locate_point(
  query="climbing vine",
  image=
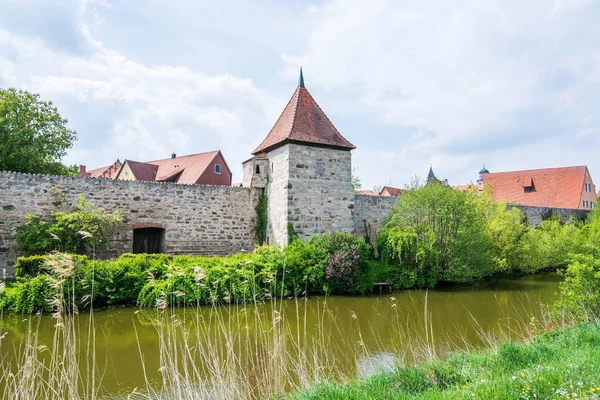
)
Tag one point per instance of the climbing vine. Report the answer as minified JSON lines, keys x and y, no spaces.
{"x":261,"y":210}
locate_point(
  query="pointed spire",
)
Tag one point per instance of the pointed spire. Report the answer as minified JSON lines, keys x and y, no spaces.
{"x":430,"y":175}
{"x":301,"y":80}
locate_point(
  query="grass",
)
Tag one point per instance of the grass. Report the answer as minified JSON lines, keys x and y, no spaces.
{"x":560,"y":364}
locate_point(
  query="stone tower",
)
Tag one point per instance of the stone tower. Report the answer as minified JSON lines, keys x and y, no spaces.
{"x":306,"y":166}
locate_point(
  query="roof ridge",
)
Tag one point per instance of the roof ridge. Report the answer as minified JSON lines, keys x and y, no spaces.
{"x":327,"y":117}
{"x":536,"y":169}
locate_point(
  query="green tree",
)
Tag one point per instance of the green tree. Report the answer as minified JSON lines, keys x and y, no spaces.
{"x":436,"y":233}
{"x":33,"y":135}
{"x":356,"y":182}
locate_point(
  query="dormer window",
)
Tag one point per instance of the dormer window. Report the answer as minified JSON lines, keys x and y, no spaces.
{"x":527,"y":189}
{"x":528,"y":185}
{"x":218,"y":169}
{"x":257,"y":170}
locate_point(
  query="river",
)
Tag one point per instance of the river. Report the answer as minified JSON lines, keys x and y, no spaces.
{"x":287,"y":341}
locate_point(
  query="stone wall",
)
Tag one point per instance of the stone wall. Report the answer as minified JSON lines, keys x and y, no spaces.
{"x":277,"y":191}
{"x":198,"y":219}
{"x":369,"y":214}
{"x":535,"y":215}
{"x":320,"y":195}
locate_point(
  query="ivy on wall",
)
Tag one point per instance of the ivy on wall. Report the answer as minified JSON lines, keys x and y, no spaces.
{"x":261,"y":210}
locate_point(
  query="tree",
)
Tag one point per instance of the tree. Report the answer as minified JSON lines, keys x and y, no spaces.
{"x":33,"y":135}
{"x":436,"y":233}
{"x":356,"y":180}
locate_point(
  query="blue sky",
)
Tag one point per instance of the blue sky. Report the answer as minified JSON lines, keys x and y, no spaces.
{"x":509,"y":84}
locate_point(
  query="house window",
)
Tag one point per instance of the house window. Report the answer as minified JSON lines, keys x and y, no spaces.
{"x":588,"y":188}
{"x":593,"y":204}
{"x":527,"y":189}
{"x":217,"y":168}
{"x":585,"y":203}
{"x":258,"y":169}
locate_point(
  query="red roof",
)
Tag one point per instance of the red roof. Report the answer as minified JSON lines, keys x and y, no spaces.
{"x":142,"y":171}
{"x":190,"y":167}
{"x":107,"y":172}
{"x":550,"y":187}
{"x":367,"y":192}
{"x":391,"y":191}
{"x":464,"y":188}
{"x":303,"y":121}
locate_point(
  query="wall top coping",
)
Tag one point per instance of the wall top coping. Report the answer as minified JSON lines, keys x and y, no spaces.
{"x":25,"y":175}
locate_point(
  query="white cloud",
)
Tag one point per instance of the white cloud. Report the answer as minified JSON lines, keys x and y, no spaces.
{"x":510,"y":84}
{"x":485,"y":77}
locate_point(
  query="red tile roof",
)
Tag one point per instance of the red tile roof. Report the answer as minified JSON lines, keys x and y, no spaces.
{"x":468,"y":187}
{"x":391,"y":191}
{"x":303,"y":121}
{"x":190,"y":167}
{"x":107,"y":172}
{"x":368,"y":192}
{"x":142,"y":171}
{"x":550,"y":187}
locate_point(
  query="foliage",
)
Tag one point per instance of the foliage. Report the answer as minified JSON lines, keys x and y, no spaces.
{"x":356,"y":182}
{"x":580,"y":291}
{"x":27,"y":267}
{"x":262,"y":217}
{"x":435,"y":233}
{"x":69,"y":231}
{"x":29,"y":295}
{"x":343,"y":258}
{"x":291,"y":232}
{"x":556,"y":364}
{"x":33,"y":135}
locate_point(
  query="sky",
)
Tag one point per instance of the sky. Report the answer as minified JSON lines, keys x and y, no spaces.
{"x":509,"y":84}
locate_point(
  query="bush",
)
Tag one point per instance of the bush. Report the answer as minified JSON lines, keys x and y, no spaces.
{"x":30,"y":295}
{"x":344,"y":259}
{"x":27,"y":267}
{"x":69,"y":231}
{"x":580,"y":291}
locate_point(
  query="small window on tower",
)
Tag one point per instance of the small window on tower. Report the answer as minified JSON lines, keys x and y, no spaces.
{"x":258,"y":169}
{"x":217,"y":168}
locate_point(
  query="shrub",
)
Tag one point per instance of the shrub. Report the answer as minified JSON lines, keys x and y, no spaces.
{"x":30,"y":295}
{"x":580,"y":291}
{"x":27,"y":267}
{"x":343,"y":258}
{"x":69,"y":231}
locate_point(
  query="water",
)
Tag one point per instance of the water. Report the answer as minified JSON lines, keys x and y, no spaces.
{"x":337,"y":336}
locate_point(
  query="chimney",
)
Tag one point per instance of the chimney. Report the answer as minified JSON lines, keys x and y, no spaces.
{"x":82,"y":170}
{"x":173,"y":155}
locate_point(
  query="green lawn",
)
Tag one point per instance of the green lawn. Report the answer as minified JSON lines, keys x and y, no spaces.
{"x":561,"y":364}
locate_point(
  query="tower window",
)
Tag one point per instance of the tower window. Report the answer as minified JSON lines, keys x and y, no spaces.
{"x":258,"y":169}
{"x":217,"y":168}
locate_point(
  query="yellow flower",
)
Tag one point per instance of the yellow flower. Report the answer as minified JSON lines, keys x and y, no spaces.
{"x":522,"y":374}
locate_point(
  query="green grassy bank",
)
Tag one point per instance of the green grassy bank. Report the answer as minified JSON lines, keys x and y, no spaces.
{"x":559,"y":364}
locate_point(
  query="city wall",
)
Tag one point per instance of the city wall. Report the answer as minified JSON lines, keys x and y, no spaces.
{"x":197,"y":219}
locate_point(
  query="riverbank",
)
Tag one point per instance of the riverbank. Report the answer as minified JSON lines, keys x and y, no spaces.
{"x":558,"y":364}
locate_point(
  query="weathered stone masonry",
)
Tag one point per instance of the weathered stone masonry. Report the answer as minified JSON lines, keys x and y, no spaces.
{"x":197,"y":219}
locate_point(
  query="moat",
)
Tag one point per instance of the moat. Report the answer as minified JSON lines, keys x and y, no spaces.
{"x":338,"y":336}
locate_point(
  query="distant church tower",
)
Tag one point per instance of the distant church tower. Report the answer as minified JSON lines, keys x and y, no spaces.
{"x":306,"y":166}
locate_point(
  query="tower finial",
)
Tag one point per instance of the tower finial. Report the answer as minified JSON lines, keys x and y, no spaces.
{"x":301,"y":80}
